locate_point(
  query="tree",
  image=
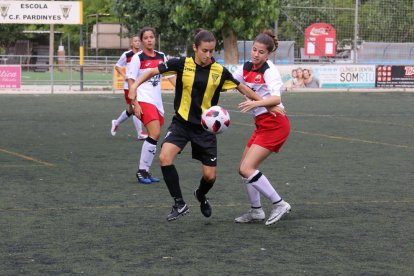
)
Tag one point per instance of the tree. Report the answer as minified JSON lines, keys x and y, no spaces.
{"x":228,"y":20}
{"x":385,"y":21}
{"x":9,"y":34}
{"x":157,"y":14}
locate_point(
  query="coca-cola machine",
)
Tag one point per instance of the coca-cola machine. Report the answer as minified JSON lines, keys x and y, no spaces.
{"x":320,"y":40}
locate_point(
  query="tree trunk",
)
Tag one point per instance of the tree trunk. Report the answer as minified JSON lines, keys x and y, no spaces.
{"x":231,"y":53}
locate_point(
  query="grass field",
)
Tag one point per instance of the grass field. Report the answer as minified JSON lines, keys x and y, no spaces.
{"x":68,"y":77}
{"x":70,"y":203}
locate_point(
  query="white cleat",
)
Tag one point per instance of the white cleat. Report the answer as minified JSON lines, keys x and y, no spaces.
{"x":251,"y":215}
{"x":114,"y":127}
{"x":279,"y":210}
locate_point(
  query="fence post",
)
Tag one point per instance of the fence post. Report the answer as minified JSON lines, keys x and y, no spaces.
{"x":71,"y":78}
{"x":355,"y":31}
{"x":51,"y":77}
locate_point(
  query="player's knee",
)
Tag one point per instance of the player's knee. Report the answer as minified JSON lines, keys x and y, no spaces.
{"x":209,"y":175}
{"x":165,"y":159}
{"x":210,"y":178}
{"x":154,"y":134}
{"x":244,"y":172}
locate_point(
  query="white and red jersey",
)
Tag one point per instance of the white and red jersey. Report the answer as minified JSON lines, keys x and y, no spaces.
{"x":149,"y":91}
{"x":265,"y":81}
{"x":124,"y":61}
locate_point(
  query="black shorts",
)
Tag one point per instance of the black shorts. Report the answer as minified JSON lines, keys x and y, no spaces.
{"x":203,"y":143}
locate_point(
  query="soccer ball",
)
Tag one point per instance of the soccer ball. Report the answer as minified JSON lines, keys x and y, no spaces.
{"x":215,"y":119}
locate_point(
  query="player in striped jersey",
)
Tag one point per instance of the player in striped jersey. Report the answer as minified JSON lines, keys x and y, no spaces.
{"x":271,"y":131}
{"x":124,"y":61}
{"x":148,"y":103}
{"x":199,"y":83}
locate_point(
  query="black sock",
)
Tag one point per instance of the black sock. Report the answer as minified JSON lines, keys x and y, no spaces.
{"x":171,"y":179}
{"x":204,"y":187}
{"x":179,"y":201}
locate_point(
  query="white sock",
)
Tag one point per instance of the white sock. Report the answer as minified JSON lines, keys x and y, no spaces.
{"x":252,"y":194}
{"x":262,"y":184}
{"x":122,"y":118}
{"x":137,"y":124}
{"x":148,"y":150}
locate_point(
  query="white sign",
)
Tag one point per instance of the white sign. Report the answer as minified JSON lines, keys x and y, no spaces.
{"x":41,"y":12}
{"x":350,"y":76}
{"x":328,"y":76}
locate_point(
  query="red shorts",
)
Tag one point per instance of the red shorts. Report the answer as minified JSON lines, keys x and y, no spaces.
{"x":271,"y":131}
{"x":150,"y":113}
{"x":127,"y":100}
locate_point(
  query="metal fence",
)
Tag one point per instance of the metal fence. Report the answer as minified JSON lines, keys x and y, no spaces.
{"x":374,"y":31}
{"x":65,"y":73}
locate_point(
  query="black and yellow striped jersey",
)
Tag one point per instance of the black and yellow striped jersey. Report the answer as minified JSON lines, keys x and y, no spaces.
{"x":197,"y":88}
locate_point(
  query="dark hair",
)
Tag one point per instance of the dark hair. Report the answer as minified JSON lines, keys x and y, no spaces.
{"x":201,"y":35}
{"x":269,"y":39}
{"x":146,"y":29}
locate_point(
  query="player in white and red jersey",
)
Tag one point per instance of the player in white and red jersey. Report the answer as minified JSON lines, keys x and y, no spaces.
{"x":124,"y":61}
{"x":271,"y":132}
{"x":149,"y":107}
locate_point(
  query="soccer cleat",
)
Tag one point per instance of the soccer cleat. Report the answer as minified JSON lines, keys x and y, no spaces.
{"x":153,"y":179}
{"x":142,"y":177}
{"x":254,"y":214}
{"x":177,"y":211}
{"x":145,"y":177}
{"x":204,"y":204}
{"x":279,"y":210}
{"x":114,"y":127}
{"x":142,"y":136}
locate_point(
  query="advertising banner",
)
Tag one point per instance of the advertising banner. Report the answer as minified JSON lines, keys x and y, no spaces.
{"x":320,"y":40}
{"x":327,"y":76}
{"x":40,"y":12}
{"x":118,"y":80}
{"x":395,"y":76}
{"x":10,"y":76}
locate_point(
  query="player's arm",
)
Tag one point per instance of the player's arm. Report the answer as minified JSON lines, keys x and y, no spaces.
{"x":121,"y":63}
{"x":140,"y":80}
{"x":119,"y":70}
{"x":254,"y":100}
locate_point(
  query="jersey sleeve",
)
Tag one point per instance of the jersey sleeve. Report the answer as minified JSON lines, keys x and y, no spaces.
{"x":238,"y":74}
{"x":167,"y":75}
{"x":274,"y":81}
{"x":229,"y":81}
{"x":122,"y":61}
{"x":171,"y":67}
{"x":133,"y":68}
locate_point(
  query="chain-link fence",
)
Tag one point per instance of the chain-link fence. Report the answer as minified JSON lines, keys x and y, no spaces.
{"x":373,"y":32}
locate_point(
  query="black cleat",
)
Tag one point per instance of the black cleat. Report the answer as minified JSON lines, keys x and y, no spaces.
{"x":177,"y":211}
{"x":205,"y":207}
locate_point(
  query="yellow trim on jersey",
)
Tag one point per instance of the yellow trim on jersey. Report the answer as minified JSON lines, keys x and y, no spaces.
{"x":214,"y":78}
{"x":187,"y":80}
{"x":228,"y":85}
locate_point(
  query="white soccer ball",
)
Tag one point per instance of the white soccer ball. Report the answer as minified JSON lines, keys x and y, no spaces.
{"x":215,"y":119}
